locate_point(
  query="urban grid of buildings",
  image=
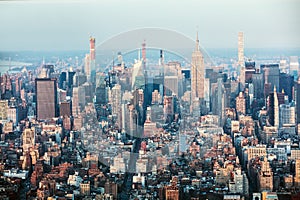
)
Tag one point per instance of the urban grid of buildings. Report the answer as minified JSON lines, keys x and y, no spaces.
{"x":151,"y":130}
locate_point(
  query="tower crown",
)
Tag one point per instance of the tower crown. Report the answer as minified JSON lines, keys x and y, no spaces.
{"x":197,"y":43}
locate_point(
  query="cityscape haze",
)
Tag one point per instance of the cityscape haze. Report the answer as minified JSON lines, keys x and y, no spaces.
{"x":62,"y":25}
{"x":152,"y":100}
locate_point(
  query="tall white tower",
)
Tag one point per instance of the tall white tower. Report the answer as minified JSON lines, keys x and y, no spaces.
{"x":276,"y":109}
{"x":241,"y":48}
{"x":87,"y":66}
{"x":92,"y":57}
{"x":197,"y":73}
{"x":241,"y":62}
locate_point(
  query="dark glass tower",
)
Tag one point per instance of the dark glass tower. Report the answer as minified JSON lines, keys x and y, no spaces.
{"x":46,"y":98}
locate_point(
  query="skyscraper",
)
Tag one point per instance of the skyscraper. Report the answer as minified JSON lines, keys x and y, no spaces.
{"x":116,"y":97}
{"x":87,"y":66}
{"x":249,"y":70}
{"x":241,"y":60}
{"x":62,"y":80}
{"x":241,"y":48}
{"x":297,"y":100}
{"x":286,"y":83}
{"x":171,"y":85}
{"x":294,"y":66}
{"x":241,"y":104}
{"x":265,"y":176}
{"x":276,"y":109}
{"x":168,"y":108}
{"x":70,"y":76}
{"x":274,"y":101}
{"x":257,"y":80}
{"x":270,"y":75}
{"x":46,"y":98}
{"x":197,"y":73}
{"x":286,"y":114}
{"x":75,"y":102}
{"x":297,"y":173}
{"x":144,"y":55}
{"x":92,"y":56}
{"x":78,"y":100}
{"x":3,"y":109}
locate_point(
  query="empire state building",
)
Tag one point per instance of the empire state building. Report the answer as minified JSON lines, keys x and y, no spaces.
{"x":197,"y":73}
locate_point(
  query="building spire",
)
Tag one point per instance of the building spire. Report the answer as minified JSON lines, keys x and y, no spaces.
{"x":197,"y":42}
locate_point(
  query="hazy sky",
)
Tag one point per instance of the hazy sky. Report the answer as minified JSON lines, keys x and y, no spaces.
{"x":67,"y":25}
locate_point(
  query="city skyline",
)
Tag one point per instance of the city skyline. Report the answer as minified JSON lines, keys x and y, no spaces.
{"x":55,"y":25}
{"x":104,"y":107}
{"x":156,"y":130}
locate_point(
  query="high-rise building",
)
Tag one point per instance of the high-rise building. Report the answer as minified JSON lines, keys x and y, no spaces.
{"x":13,"y":114}
{"x":149,"y":126}
{"x":256,"y":151}
{"x":144,"y":55}
{"x":241,"y":63}
{"x":270,"y":75}
{"x":92,"y":54}
{"x":283,"y":66}
{"x":75,"y":102}
{"x":286,"y":115}
{"x":182,"y":143}
{"x":116,"y":98}
{"x":111,"y":188}
{"x":241,"y":104}
{"x":265,"y":176}
{"x":297,"y":173}
{"x":65,"y":109}
{"x":239,"y":183}
{"x":257,"y":80}
{"x":131,"y":122}
{"x":101,"y":94}
{"x":294,"y":66}
{"x":79,"y":79}
{"x":100,"y":79}
{"x":3,"y":110}
{"x":70,"y":76}
{"x":249,"y":70}
{"x":286,"y":83}
{"x":250,"y":94}
{"x":241,"y":48}
{"x":274,"y":101}
{"x":197,"y":73}
{"x":156,"y":98}
{"x":62,"y":80}
{"x":172,"y":69}
{"x":297,"y":100}
{"x":158,"y":84}
{"x":171,"y":85}
{"x":85,"y":188}
{"x":28,"y":138}
{"x":276,"y":109}
{"x":172,"y":191}
{"x":78,"y":100}
{"x":46,"y":98}
{"x":138,"y":97}
{"x":218,"y":99}
{"x":87,"y":66}
{"x":88,"y":90}
{"x":168,"y":108}
{"x":46,"y":71}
